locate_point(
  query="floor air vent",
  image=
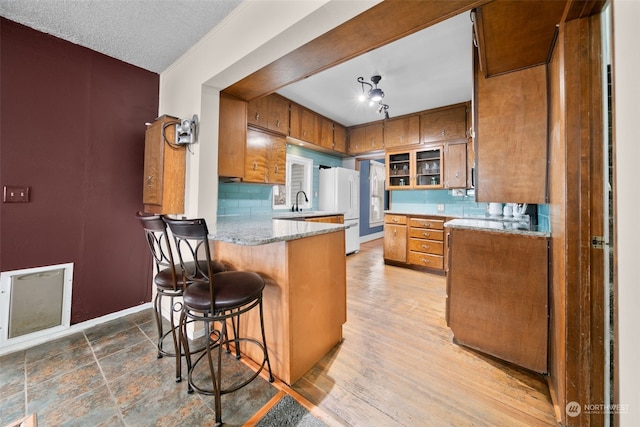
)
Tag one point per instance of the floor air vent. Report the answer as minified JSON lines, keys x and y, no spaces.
{"x":34,"y":302}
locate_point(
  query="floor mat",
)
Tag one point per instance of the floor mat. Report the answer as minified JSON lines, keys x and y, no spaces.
{"x":288,"y":412}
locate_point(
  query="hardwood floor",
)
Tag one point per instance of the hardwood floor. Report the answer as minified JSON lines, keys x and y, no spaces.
{"x":398,"y":364}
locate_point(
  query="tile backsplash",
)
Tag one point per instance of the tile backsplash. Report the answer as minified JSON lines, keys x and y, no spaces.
{"x":236,"y":198}
{"x":429,"y":200}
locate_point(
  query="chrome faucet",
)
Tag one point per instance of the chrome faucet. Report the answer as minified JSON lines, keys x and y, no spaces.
{"x":297,"y":209}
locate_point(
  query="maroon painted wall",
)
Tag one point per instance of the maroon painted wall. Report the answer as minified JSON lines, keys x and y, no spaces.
{"x":72,"y":128}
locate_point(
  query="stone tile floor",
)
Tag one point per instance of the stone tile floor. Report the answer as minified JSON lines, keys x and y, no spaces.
{"x":109,"y":375}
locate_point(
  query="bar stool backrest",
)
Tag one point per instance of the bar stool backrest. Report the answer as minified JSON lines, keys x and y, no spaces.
{"x":158,"y":240}
{"x":191,"y":237}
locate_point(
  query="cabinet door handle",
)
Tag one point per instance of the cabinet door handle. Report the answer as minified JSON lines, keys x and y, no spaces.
{"x":426,"y":234}
{"x":277,"y":123}
{"x":257,"y":116}
{"x":427,"y":225}
{"x":395,"y":219}
{"x":275,"y":168}
{"x":443,"y":132}
{"x":149,"y":181}
{"x":395,"y":233}
{"x":426,"y":261}
{"x":255,"y":166}
{"x":425,"y":246}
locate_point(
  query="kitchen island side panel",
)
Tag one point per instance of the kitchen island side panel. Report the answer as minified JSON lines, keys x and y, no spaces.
{"x":498,"y":295}
{"x":304,"y":298}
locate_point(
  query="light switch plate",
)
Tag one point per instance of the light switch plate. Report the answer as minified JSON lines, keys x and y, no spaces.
{"x":15,"y":194}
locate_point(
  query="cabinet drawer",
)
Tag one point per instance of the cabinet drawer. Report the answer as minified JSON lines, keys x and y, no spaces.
{"x":424,"y":233}
{"x":426,"y":260}
{"x":395,"y":219}
{"x":426,"y":246}
{"x":427,"y":223}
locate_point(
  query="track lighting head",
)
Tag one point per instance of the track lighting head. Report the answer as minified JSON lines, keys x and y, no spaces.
{"x":374,"y":94}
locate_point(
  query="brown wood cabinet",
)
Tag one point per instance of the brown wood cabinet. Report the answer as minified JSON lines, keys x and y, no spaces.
{"x":339,"y":138}
{"x":511,"y":136}
{"x":443,"y":124}
{"x":395,"y":238}
{"x":497,"y":295}
{"x":265,"y":158}
{"x":402,"y":131}
{"x":270,"y":112}
{"x":164,"y":168}
{"x":415,"y":241}
{"x":366,"y":138}
{"x":455,"y":160}
{"x":303,"y":124}
{"x":426,"y":242}
{"x":324,"y":132}
{"x":232,"y":136}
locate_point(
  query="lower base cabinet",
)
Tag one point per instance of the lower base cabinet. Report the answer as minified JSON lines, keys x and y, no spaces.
{"x":395,"y":238}
{"x":415,"y":241}
{"x":497,"y":295}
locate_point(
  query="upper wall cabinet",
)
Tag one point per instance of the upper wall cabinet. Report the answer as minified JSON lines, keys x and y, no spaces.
{"x":339,"y":138}
{"x":164,"y":168}
{"x":265,"y":158}
{"x":443,"y":124}
{"x":514,"y":35}
{"x":303,"y":124}
{"x":270,"y":112}
{"x":511,"y":136}
{"x":232,"y":136}
{"x":324,"y":132}
{"x":402,"y":131}
{"x":455,"y":160}
{"x":366,"y":138}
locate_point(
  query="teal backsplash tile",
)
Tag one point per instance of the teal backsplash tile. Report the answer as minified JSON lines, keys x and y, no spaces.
{"x":428,"y":201}
{"x":255,"y":199}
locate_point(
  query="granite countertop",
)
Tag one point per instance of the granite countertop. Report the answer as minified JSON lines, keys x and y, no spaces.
{"x":252,"y":231}
{"x":500,"y":225}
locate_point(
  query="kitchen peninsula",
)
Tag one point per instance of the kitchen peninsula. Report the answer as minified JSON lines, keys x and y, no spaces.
{"x":304,"y":267}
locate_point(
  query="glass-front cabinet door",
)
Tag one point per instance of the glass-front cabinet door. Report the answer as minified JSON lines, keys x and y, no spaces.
{"x":398,"y":169}
{"x":415,"y":169}
{"x":428,"y":167}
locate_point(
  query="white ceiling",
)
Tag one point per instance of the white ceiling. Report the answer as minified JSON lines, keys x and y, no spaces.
{"x":425,"y":70}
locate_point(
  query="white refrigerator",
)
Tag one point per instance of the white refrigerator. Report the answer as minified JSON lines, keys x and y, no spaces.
{"x":339,"y":191}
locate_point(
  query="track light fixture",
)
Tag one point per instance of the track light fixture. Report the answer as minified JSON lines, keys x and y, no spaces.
{"x":374,"y":94}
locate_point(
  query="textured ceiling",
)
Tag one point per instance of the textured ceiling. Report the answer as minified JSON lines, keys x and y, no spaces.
{"x":150,"y":34}
{"x":428,"y":69}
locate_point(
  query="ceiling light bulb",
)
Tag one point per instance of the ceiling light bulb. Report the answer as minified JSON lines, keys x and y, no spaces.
{"x":362,"y":98}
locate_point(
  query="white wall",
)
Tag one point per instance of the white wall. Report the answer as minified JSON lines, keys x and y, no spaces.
{"x":626,"y":68}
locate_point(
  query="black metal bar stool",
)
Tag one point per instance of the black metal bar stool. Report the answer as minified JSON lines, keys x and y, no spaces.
{"x":215,"y":299}
{"x":169,"y":282}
